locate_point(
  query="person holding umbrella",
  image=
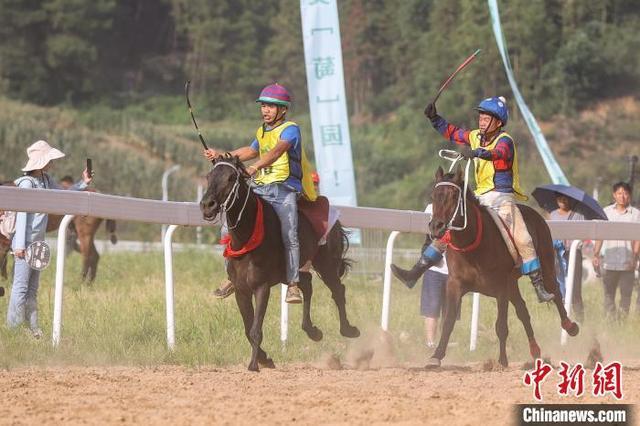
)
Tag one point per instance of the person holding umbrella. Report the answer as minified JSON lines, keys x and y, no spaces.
{"x":620,"y":258}
{"x":565,"y":211}
{"x":566,"y":202}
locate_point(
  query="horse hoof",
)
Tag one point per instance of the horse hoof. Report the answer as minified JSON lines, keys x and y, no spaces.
{"x":432,"y":363}
{"x":350,"y":331}
{"x":570,"y":327}
{"x":574,"y":329}
{"x":314,"y":333}
{"x":267,"y":363}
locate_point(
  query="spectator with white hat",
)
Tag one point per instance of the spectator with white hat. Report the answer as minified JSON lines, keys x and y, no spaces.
{"x":31,"y":227}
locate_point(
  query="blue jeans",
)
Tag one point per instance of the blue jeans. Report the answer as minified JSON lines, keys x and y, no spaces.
{"x":284,"y":199}
{"x":434,"y":286}
{"x":23,"y":304}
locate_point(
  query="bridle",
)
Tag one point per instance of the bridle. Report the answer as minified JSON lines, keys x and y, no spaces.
{"x":461,"y":204}
{"x":233,"y":194}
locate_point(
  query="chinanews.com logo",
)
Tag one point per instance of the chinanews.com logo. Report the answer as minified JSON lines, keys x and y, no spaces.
{"x":574,"y":382}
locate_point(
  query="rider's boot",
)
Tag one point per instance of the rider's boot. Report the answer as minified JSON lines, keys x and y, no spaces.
{"x":533,"y":269}
{"x":226,"y":289}
{"x":538,"y":285}
{"x":430,"y":257}
{"x":294,"y":295}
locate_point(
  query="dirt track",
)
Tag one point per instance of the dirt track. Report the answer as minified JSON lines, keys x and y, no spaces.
{"x":455,"y":395}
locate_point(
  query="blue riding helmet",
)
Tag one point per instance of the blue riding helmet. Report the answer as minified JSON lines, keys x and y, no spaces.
{"x":497,"y":107}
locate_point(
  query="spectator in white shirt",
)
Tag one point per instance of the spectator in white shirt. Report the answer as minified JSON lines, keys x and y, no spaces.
{"x":619,"y":258}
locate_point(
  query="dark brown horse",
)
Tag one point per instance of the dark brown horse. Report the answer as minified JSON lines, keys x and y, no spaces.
{"x":255,"y":272}
{"x":488,"y":268}
{"x":80,"y":237}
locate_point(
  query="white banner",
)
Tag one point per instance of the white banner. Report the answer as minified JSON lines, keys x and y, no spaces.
{"x":327,"y":100}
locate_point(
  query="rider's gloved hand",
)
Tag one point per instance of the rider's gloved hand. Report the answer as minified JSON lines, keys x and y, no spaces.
{"x":430,"y":111}
{"x":466,"y":152}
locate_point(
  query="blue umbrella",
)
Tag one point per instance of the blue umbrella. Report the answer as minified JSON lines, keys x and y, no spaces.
{"x":546,"y":195}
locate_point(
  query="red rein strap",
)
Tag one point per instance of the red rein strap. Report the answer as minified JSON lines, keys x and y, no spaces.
{"x":254,"y":241}
{"x":474,"y":245}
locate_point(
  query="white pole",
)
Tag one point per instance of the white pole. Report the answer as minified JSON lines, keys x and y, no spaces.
{"x":199,"y":195}
{"x":573,"y":252}
{"x":57,"y":298}
{"x":168,"y":285}
{"x":284,"y":314}
{"x":165,"y":190}
{"x":475,"y":315}
{"x":386,"y":289}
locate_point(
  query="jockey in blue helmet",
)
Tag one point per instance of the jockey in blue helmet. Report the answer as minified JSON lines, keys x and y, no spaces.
{"x":497,"y":186}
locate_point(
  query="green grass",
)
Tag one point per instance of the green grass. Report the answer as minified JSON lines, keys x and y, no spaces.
{"x":120,"y":319}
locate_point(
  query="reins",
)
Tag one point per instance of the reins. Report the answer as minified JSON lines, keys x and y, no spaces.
{"x":461,"y":206}
{"x":229,"y":201}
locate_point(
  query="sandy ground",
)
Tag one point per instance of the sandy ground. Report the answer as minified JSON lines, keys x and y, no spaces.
{"x":306,"y":394}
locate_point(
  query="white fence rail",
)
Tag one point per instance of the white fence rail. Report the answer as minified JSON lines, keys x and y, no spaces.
{"x":188,"y":214}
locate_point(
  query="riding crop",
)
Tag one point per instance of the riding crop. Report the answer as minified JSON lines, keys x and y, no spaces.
{"x":451,"y":77}
{"x":186,"y":93}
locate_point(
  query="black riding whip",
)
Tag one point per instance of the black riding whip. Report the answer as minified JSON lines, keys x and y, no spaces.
{"x":186,"y":93}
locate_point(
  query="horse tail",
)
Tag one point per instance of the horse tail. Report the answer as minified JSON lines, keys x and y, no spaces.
{"x":344,"y":262}
{"x":111,"y":229}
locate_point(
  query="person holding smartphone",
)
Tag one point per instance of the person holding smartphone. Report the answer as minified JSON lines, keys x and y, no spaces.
{"x":31,"y":227}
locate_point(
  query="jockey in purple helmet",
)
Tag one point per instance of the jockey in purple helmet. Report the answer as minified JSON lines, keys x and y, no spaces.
{"x":277,"y":175}
{"x":497,"y":186}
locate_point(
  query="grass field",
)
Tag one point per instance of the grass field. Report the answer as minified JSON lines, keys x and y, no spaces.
{"x":120,"y":320}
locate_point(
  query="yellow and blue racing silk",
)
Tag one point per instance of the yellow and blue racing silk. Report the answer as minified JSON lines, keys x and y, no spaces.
{"x":496,"y":163}
{"x":292,"y":167}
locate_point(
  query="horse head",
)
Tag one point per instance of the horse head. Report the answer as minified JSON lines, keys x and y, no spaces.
{"x":223,"y":183}
{"x":446,"y":197}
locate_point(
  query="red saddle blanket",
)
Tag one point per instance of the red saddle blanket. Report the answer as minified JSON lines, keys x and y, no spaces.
{"x":317,"y":212}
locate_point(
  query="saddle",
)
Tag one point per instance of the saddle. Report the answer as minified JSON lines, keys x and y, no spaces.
{"x":321,"y":215}
{"x":507,"y":236}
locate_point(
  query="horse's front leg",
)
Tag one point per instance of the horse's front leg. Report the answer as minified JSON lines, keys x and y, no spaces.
{"x":452,"y":302}
{"x":312,"y":331}
{"x":502,"y":327}
{"x":255,"y":334}
{"x":245,"y":305}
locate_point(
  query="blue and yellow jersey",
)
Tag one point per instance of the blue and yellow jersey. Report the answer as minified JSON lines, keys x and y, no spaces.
{"x":292,"y":167}
{"x":497,"y":162}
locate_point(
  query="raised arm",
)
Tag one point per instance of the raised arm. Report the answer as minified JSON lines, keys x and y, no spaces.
{"x":449,"y":131}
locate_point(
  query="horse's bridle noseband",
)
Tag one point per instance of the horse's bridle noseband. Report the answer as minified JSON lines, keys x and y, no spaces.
{"x":229,"y":201}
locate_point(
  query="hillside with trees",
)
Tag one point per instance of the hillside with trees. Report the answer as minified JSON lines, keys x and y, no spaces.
{"x":104,"y":79}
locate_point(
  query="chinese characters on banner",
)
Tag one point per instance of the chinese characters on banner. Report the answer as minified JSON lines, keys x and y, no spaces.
{"x":327,"y":100}
{"x":605,"y":379}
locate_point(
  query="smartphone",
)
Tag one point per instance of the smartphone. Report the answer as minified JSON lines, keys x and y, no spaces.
{"x":89,"y":167}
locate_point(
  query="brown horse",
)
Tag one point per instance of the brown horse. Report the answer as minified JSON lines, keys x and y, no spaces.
{"x":479,"y":261}
{"x":80,"y":237}
{"x":255,"y":272}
